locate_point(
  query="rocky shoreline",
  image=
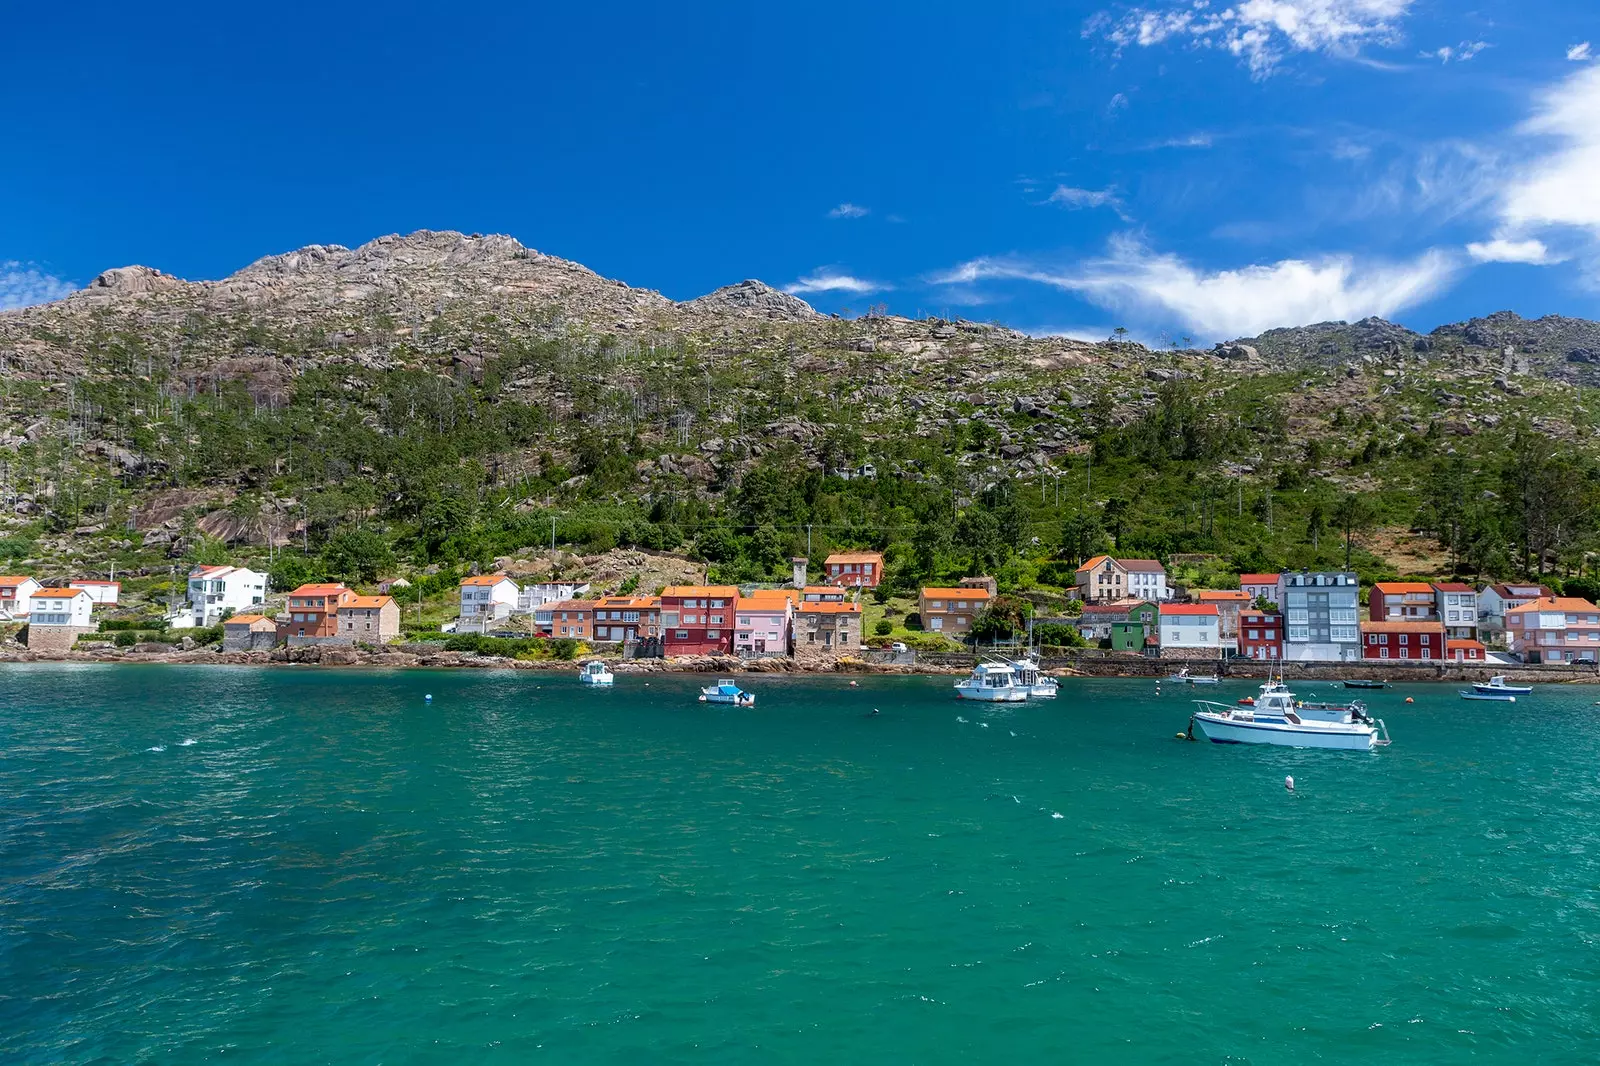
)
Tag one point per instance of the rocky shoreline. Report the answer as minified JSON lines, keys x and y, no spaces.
{"x":425,"y":657}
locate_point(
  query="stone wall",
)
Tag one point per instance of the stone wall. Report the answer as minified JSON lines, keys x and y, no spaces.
{"x":54,"y":640}
{"x":258,"y":640}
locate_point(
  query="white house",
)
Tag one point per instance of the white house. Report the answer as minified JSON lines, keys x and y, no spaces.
{"x":60,"y":607}
{"x":1493,"y":603}
{"x":532,"y":597}
{"x":485,"y":600}
{"x":1147,"y":580}
{"x":14,"y":594}
{"x":103,"y":593}
{"x":215,"y":589}
{"x":1188,"y":629}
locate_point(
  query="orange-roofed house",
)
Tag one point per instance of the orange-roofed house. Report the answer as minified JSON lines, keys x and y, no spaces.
{"x":249,"y":632}
{"x":1191,"y":631}
{"x":369,"y":619}
{"x":572,"y":619}
{"x":627,"y":619}
{"x":854,"y":569}
{"x":57,"y":617}
{"x":698,"y":619}
{"x":14,"y":593}
{"x":1465,"y":651}
{"x":1395,"y":601}
{"x":1228,"y":602}
{"x":765,"y":619}
{"x":1413,"y":639}
{"x":1104,"y":578}
{"x":485,"y":600}
{"x":312,"y":614}
{"x":952,"y":611}
{"x":1555,"y":629}
{"x":826,"y":627}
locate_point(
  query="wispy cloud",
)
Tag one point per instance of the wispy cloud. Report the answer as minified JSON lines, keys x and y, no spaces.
{"x":1458,"y":54}
{"x":1260,"y":32}
{"x":1077,"y":199}
{"x":24,"y":284}
{"x":826,"y":279}
{"x":1501,"y":250}
{"x":1193,"y":140}
{"x":850,"y":211}
{"x":1133,"y":279}
{"x":1579,"y":53}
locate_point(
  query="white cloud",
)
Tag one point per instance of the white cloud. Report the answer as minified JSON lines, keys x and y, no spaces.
{"x":1460,"y":53}
{"x":1073,"y":198}
{"x":849,"y":211}
{"x":1502,"y":250}
{"x":23,"y":285}
{"x":828,"y":280}
{"x":1261,"y":32}
{"x":1231,"y":303}
{"x":1560,"y":188}
{"x":1579,"y":53}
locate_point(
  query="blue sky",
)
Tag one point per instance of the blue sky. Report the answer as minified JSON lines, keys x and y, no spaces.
{"x":1183,"y":169}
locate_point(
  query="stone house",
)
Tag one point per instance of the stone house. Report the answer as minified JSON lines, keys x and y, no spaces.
{"x":249,"y":632}
{"x":369,"y":620}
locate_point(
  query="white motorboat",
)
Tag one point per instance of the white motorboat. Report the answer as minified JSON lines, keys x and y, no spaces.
{"x":1184,"y":677}
{"x":1040,"y":686}
{"x":1496,"y":685}
{"x":1484,"y":694}
{"x":595,"y":673}
{"x":1278,"y":718}
{"x":725,"y":691}
{"x":992,"y":683}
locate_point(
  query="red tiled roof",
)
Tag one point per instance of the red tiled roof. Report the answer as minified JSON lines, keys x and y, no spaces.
{"x":1514,"y":591}
{"x":367,"y":601}
{"x":58,"y":594}
{"x":1454,"y":586}
{"x":827,"y":607}
{"x":1222,"y":595}
{"x":246,"y":620}
{"x":1397,"y":588}
{"x":1258,"y":579}
{"x":636,"y":602}
{"x":325,"y":589}
{"x":1092,"y":563}
{"x":14,"y":580}
{"x":853,"y":557}
{"x":485,"y":579}
{"x":1545,"y":603}
{"x":1463,"y":645}
{"x":1143,"y":566}
{"x":955,"y":594}
{"x":1190,"y":608}
{"x":682,"y":592}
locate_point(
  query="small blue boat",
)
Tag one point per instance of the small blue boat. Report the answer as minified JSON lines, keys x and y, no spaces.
{"x":725,"y":691}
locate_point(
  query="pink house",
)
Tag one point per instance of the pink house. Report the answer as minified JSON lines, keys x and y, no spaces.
{"x":762,"y":622}
{"x":1555,"y":629}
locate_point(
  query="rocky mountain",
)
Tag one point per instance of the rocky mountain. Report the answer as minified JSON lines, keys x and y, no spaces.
{"x":1564,"y":349}
{"x":438,"y":383}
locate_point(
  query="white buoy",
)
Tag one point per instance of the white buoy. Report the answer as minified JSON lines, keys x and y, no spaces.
{"x":427,"y":697}
{"x":1288,"y":782}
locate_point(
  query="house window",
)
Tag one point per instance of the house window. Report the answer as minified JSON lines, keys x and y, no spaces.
{"x":1383,"y":653}
{"x":683,"y":634}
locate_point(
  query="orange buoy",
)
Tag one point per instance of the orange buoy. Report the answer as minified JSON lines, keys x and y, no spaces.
{"x":1410,"y":700}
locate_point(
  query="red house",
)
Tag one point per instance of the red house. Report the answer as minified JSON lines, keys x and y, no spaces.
{"x":1464,"y":651}
{"x":698,"y":619}
{"x":1261,"y":635}
{"x":1416,"y":641}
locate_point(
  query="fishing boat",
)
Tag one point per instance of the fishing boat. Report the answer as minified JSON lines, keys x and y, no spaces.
{"x":1278,"y":718}
{"x":595,"y":673}
{"x":1490,"y":697}
{"x":725,"y":691}
{"x":1040,"y":686}
{"x":1184,"y":677}
{"x":1497,"y":685}
{"x":1356,"y":682}
{"x":992,"y":683}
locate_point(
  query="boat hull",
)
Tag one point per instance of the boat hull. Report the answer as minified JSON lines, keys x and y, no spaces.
{"x":589,"y":679}
{"x":988,"y":694}
{"x":1220,"y":731}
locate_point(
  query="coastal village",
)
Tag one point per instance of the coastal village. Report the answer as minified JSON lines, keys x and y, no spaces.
{"x":1119,"y":607}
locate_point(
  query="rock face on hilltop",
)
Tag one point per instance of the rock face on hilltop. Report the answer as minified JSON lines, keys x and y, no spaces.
{"x":752,"y":299}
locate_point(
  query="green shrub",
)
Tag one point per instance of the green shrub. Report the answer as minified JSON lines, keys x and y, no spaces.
{"x":884,"y":627}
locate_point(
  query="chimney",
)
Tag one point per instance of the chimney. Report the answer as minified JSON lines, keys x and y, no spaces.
{"x":799,"y":562}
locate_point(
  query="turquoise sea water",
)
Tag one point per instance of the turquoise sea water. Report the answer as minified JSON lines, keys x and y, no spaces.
{"x":259,"y":866}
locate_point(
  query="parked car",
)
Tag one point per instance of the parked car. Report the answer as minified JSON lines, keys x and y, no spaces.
{"x":898,"y":648}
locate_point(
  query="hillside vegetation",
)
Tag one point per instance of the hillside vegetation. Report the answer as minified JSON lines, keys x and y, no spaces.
{"x":444,"y":401}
